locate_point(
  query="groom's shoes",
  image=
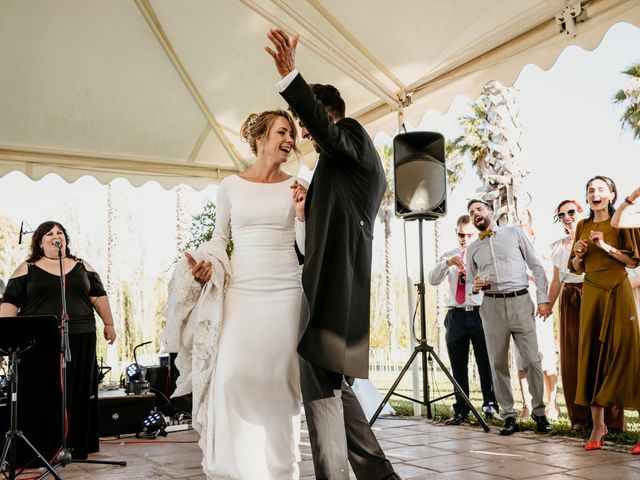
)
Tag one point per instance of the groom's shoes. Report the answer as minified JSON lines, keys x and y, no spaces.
{"x":542,"y":424}
{"x":510,"y":426}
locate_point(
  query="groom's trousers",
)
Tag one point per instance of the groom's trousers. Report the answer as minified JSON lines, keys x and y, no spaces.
{"x":338,"y":428}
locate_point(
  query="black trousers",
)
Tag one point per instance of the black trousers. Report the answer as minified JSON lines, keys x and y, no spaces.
{"x":464,"y":328}
{"x":338,"y":428}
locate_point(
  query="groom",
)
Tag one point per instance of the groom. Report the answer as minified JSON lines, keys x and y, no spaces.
{"x":340,"y":209}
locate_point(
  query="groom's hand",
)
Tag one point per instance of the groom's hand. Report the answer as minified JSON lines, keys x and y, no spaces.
{"x":299,"y":197}
{"x":284,"y":55}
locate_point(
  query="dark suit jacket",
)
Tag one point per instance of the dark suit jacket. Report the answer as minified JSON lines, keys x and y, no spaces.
{"x":341,"y":207}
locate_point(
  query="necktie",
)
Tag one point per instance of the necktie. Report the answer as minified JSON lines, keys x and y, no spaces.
{"x":460,"y":288}
{"x":487,"y":233}
{"x":460,"y":292}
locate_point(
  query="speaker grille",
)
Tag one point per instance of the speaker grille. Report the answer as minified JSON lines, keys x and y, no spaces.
{"x":420,"y":190}
{"x":420,"y":175}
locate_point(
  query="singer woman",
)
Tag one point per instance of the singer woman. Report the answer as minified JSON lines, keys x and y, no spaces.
{"x":34,"y":289}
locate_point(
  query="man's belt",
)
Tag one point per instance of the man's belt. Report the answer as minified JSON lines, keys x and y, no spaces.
{"x":466,"y":308}
{"x":506,"y":294}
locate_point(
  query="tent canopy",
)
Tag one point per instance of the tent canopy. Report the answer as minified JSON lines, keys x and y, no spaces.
{"x":158,"y":89}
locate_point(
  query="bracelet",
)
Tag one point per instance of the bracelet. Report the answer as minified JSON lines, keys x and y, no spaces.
{"x":627,"y":200}
{"x":108,"y":324}
{"x":612,"y":251}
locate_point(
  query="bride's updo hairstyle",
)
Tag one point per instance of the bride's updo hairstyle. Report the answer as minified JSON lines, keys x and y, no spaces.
{"x":258,"y":125}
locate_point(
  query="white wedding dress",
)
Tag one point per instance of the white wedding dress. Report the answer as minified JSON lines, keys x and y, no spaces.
{"x":256,"y":388}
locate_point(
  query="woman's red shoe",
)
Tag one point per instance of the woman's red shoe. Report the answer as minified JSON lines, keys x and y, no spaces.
{"x":636,"y":449}
{"x":595,"y":444}
{"x":592,"y":445}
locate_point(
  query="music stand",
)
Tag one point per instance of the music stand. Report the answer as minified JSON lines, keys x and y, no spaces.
{"x":21,"y":334}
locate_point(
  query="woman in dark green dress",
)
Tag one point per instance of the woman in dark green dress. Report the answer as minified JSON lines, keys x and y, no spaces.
{"x":609,"y":339}
{"x":34,"y":289}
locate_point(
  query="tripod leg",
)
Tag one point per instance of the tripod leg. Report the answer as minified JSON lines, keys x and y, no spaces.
{"x":459,"y":390}
{"x":393,"y":387}
{"x":5,"y":448}
{"x":102,"y":462}
{"x":8,"y":440}
{"x":40,"y":457}
{"x":9,"y":450}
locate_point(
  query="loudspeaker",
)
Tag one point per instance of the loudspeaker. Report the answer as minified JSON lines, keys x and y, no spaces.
{"x":119,"y":414}
{"x":158,"y":378}
{"x":420,"y":175}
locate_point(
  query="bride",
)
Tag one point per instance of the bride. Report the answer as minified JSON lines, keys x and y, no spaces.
{"x":235,"y":324}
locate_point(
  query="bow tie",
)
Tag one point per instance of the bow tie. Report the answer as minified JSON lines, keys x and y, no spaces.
{"x":487,"y":233}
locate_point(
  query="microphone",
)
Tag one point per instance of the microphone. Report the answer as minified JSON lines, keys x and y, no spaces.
{"x":20,"y":236}
{"x":58,"y":245}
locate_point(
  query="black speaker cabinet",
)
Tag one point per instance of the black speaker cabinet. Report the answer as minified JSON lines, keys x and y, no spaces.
{"x":183,"y":403}
{"x":420,"y":175}
{"x":158,"y":378}
{"x":120,"y":414}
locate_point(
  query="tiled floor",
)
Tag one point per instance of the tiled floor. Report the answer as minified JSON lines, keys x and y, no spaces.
{"x":418,"y":449}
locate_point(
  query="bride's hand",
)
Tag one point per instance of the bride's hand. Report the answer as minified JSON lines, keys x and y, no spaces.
{"x":201,"y":271}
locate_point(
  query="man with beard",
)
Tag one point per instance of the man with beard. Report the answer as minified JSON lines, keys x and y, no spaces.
{"x":463,"y":324}
{"x":340,"y":209}
{"x":497,"y":262}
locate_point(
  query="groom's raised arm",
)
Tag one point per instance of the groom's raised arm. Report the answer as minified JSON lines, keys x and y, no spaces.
{"x":339,"y":141}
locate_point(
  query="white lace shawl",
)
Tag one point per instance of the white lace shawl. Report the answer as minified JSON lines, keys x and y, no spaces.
{"x":193,"y":322}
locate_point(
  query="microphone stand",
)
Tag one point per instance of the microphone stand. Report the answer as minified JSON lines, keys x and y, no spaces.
{"x":64,"y":457}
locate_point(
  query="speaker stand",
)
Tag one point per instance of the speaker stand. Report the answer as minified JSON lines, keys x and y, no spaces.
{"x":424,"y":349}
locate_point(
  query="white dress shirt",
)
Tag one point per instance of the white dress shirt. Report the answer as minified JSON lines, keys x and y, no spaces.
{"x":503,"y":259}
{"x":442,"y":271}
{"x":560,"y":258}
{"x":283,"y":83}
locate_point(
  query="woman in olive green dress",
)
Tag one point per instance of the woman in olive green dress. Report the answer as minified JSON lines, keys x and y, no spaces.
{"x":609,"y":339}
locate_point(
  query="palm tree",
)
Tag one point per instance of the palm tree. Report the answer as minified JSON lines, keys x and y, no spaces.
{"x":113,"y":287}
{"x":385,"y":214}
{"x":455,"y":169}
{"x":629,"y":98}
{"x":182,"y":219}
{"x":491,"y":141}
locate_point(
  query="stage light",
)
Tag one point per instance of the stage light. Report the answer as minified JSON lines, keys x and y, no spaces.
{"x":136,"y":381}
{"x":153,"y":425}
{"x":134,"y":372}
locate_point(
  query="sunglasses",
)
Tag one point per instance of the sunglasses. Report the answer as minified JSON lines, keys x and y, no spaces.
{"x":561,"y":215}
{"x":463,"y":235}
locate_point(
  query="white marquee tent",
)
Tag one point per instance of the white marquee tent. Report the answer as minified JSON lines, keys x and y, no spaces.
{"x":158,"y":89}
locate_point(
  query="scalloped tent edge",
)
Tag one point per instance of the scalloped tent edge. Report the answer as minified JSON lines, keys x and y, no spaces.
{"x":189,"y":135}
